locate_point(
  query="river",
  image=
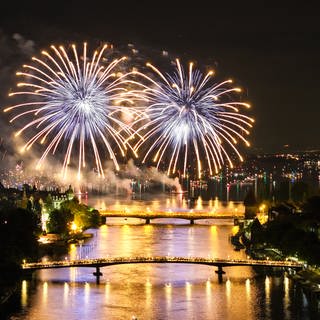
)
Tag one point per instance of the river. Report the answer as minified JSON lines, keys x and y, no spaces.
{"x":159,"y":291}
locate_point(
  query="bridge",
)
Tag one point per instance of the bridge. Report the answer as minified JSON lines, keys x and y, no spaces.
{"x":186,"y":215}
{"x":104,"y":262}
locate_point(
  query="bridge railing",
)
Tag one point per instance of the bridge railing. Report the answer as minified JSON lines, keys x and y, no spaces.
{"x":172,"y":259}
{"x":134,"y":213}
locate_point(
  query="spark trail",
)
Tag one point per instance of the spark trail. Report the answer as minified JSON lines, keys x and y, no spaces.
{"x":187,"y":113}
{"x":74,"y":101}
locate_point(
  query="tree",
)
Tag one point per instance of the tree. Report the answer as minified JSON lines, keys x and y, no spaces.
{"x":299,"y":191}
{"x":312,"y":206}
{"x":59,"y":221}
{"x":256,"y":231}
{"x":49,"y":203}
{"x":84,"y":217}
{"x":250,"y":204}
{"x":18,"y":235}
{"x":94,"y":218}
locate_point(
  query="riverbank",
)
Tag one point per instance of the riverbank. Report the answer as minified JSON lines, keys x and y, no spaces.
{"x":55,"y":247}
{"x":9,"y":284}
{"x":6,"y":292}
{"x":308,"y":278}
{"x":49,"y":245}
{"x":59,"y":239}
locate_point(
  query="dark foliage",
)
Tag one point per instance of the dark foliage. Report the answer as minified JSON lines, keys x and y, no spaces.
{"x":59,"y":221}
{"x":292,"y":234}
{"x":18,"y":234}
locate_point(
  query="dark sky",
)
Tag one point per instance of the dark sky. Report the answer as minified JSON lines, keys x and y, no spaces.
{"x":271,"y":50}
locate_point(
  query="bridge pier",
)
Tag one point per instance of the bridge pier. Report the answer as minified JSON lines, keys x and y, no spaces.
{"x":148,"y":221}
{"x":220,"y":272}
{"x":97,"y":274}
{"x":191,"y":221}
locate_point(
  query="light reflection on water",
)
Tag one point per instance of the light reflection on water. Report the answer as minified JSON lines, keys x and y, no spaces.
{"x":24,"y":293}
{"x":174,"y":203}
{"x":159,"y":291}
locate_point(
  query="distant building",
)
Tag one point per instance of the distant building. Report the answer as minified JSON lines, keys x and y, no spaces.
{"x":58,"y":199}
{"x":36,"y":201}
{"x":61,"y":197}
{"x":24,"y":200}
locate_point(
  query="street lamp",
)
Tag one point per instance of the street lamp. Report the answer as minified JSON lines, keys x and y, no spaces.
{"x":262,"y":207}
{"x":74,"y":227}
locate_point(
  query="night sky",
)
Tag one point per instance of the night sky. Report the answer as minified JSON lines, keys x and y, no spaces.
{"x":271,"y":51}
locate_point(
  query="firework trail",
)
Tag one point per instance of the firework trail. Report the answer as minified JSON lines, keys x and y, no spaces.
{"x":74,"y":100}
{"x":187,"y":113}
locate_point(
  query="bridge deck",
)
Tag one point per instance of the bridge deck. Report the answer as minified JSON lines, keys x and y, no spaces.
{"x":158,"y":259}
{"x":171,"y":215}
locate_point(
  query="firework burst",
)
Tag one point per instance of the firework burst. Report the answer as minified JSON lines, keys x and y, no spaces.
{"x":187,"y":113}
{"x":74,"y":101}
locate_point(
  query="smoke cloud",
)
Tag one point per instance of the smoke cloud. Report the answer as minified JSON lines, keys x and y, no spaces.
{"x":20,"y":168}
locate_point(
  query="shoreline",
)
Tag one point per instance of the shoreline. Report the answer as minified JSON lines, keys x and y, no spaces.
{"x":308,"y":279}
{"x":8,"y":290}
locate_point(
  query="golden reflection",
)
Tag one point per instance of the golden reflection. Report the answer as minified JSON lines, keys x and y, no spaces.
{"x":248,"y":288}
{"x":208,"y":290}
{"x":231,"y":206}
{"x":148,"y":293}
{"x":148,"y":229}
{"x":267,"y":293}
{"x":107,"y":290}
{"x":267,"y":287}
{"x":126,"y":242}
{"x":86,"y":292}
{"x":156,"y":204}
{"x":73,"y":274}
{"x":103,"y":231}
{"x":286,"y":292}
{"x":286,"y":284}
{"x":188,"y":291}
{"x":168,"y":289}
{"x":65,"y":293}
{"x":45,"y":292}
{"x":184,"y":203}
{"x":148,"y":283}
{"x":213,"y":238}
{"x":240,"y":209}
{"x":228,"y":292}
{"x":170,"y":205}
{"x":216,"y":203}
{"x":213,"y":230}
{"x":24,"y":293}
{"x":117,"y":204}
{"x":100,"y":205}
{"x":199,"y":205}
